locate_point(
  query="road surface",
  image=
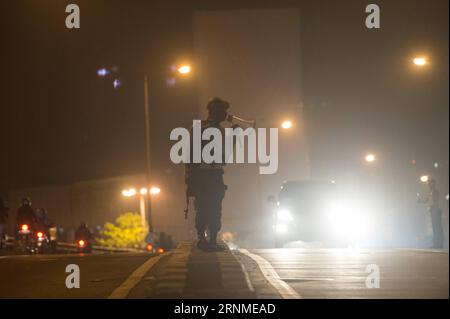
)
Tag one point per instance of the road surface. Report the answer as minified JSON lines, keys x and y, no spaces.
{"x":342,"y":273}
{"x":263,"y":273}
{"x":44,"y":276}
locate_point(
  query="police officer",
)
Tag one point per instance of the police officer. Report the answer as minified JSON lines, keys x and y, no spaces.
{"x":205,"y":184}
{"x":83,"y":232}
{"x":26,"y":214}
{"x":435,"y":212}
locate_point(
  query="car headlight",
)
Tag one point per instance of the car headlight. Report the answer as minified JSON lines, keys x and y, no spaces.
{"x":280,"y":228}
{"x":348,"y":221}
{"x":284,"y":215}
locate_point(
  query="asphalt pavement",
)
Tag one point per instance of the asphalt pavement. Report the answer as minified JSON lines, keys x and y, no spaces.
{"x":187,"y":272}
{"x":351,"y":273}
{"x":44,"y":276}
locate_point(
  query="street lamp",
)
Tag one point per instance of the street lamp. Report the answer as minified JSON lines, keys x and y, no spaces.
{"x":370,"y":158}
{"x":155,"y":190}
{"x":420,"y":61}
{"x":424,"y":178}
{"x":143,"y":191}
{"x":182,"y":70}
{"x":287,"y":124}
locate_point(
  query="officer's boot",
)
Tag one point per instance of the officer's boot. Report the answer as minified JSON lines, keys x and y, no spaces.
{"x":202,"y":242}
{"x":213,"y":242}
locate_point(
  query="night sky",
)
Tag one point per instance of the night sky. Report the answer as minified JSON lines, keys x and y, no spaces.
{"x":61,"y":123}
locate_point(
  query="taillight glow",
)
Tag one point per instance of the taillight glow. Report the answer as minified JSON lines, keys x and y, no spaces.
{"x":25,"y":227}
{"x":149,"y":247}
{"x":160,"y":250}
{"x":40,"y":234}
{"x":81,"y":243}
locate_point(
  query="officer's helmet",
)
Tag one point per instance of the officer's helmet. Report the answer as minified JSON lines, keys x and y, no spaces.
{"x":217,"y":104}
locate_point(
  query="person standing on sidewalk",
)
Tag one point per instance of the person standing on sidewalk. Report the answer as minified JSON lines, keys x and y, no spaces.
{"x":205,"y":183}
{"x":435,"y":213}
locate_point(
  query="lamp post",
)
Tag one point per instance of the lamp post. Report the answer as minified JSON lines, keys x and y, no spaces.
{"x":144,"y":196}
{"x":182,"y":70}
{"x":148,"y":155}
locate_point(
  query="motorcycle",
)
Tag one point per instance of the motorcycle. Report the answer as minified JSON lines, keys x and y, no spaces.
{"x":42,"y":243}
{"x":25,"y":239}
{"x":84,"y":246}
{"x":32,"y":242}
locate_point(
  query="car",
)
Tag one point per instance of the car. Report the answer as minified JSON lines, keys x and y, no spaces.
{"x":317,"y":211}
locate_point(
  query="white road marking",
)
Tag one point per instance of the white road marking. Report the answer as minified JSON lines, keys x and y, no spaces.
{"x":124,"y":289}
{"x":247,"y":277}
{"x":272,"y":277}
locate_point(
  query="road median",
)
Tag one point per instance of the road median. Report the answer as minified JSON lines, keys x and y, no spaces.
{"x":190,"y":273}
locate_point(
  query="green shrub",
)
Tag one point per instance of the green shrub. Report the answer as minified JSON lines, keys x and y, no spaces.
{"x":127,"y":232}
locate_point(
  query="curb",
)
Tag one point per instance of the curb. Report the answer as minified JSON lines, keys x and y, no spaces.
{"x":70,"y":246}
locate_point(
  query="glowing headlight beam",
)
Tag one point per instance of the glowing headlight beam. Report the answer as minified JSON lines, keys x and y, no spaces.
{"x":281,"y":228}
{"x":424,"y":178}
{"x":284,"y":215}
{"x":349,"y":222}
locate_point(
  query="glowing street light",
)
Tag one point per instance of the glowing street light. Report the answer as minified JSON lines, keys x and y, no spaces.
{"x":370,"y":158}
{"x":184,"y":69}
{"x":287,"y":124}
{"x":155,"y":190}
{"x":420,"y":61}
{"x":102,"y":72}
{"x":143,"y":191}
{"x":424,"y":178}
{"x":117,"y":83}
{"x":129,"y":192}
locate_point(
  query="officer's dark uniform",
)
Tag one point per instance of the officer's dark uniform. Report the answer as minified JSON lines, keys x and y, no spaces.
{"x":205,"y":183}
